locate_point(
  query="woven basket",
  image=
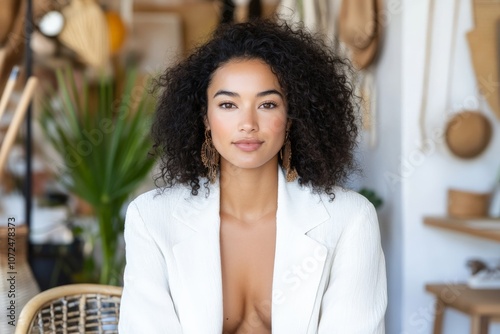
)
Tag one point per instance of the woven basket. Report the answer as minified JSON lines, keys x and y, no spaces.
{"x":463,"y":204}
{"x":25,"y":286}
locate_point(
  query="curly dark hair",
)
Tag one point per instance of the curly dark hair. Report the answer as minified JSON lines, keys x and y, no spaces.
{"x":320,"y":97}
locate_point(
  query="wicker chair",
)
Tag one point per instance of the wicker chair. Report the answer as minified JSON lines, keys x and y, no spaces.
{"x":74,"y":308}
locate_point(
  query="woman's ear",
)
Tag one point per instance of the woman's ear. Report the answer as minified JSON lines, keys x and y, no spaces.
{"x":205,"y":122}
{"x":288,"y":124}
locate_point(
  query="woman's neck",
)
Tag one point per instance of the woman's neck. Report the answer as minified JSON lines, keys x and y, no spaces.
{"x":249,"y":194}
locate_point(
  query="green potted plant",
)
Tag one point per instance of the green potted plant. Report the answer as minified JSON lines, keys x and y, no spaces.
{"x":104,"y":147}
{"x":372,"y":196}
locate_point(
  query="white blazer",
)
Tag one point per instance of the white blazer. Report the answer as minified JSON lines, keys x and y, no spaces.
{"x":329,"y":270}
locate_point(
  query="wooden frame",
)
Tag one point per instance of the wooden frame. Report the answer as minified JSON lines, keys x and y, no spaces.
{"x":45,"y":299}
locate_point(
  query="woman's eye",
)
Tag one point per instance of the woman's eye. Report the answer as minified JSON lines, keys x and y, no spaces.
{"x":269,"y":105}
{"x":226,"y":105}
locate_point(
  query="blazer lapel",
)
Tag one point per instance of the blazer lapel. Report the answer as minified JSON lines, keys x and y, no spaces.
{"x":198,"y":264}
{"x":299,"y":259}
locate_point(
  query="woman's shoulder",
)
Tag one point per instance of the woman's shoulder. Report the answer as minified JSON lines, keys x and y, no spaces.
{"x":349,"y":209}
{"x":351,"y":215}
{"x":347,"y":200}
{"x":153,"y":211}
{"x":159,"y":198}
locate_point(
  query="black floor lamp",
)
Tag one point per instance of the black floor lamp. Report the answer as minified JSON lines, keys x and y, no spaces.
{"x":28,"y":65}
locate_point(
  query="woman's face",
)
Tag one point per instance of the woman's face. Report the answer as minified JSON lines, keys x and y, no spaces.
{"x":246,"y":113}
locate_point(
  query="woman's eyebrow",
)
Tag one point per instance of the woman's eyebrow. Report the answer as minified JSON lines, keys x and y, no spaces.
{"x":260,"y":94}
{"x":269,"y":92}
{"x":226,"y":92}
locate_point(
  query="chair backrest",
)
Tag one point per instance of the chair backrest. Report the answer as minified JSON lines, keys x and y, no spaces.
{"x":73,"y":308}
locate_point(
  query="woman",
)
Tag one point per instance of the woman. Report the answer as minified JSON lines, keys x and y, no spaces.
{"x":251,"y":231}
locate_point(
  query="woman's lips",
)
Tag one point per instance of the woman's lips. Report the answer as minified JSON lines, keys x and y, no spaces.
{"x":248,"y":145}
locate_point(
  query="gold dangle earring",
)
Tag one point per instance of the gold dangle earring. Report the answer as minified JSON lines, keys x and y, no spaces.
{"x":286,"y":159}
{"x":210,"y":157}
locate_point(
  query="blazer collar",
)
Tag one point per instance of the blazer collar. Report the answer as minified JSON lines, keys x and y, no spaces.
{"x":296,"y":204}
{"x":197,"y":259}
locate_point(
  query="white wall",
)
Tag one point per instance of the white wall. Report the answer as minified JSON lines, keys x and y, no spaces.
{"x":414,"y":184}
{"x":429,"y":254}
{"x":384,"y":156}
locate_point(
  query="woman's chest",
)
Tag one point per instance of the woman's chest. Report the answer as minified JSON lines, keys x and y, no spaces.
{"x":247,"y":262}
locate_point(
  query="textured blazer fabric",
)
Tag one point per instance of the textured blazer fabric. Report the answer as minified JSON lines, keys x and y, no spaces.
{"x":329,"y":270}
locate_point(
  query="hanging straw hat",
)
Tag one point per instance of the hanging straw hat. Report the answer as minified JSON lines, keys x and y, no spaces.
{"x":86,"y":32}
{"x":360,"y":29}
{"x":7,"y":17}
{"x":483,"y":46}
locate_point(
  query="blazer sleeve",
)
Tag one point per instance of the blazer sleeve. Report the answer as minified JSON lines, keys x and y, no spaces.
{"x":146,"y":304}
{"x":355,"y":298}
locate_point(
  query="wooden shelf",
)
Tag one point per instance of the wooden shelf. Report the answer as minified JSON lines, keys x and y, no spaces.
{"x":467,"y":300}
{"x":487,"y":228}
{"x":482,"y":305}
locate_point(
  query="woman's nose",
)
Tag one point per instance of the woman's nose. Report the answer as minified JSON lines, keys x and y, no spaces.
{"x":248,"y":121}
